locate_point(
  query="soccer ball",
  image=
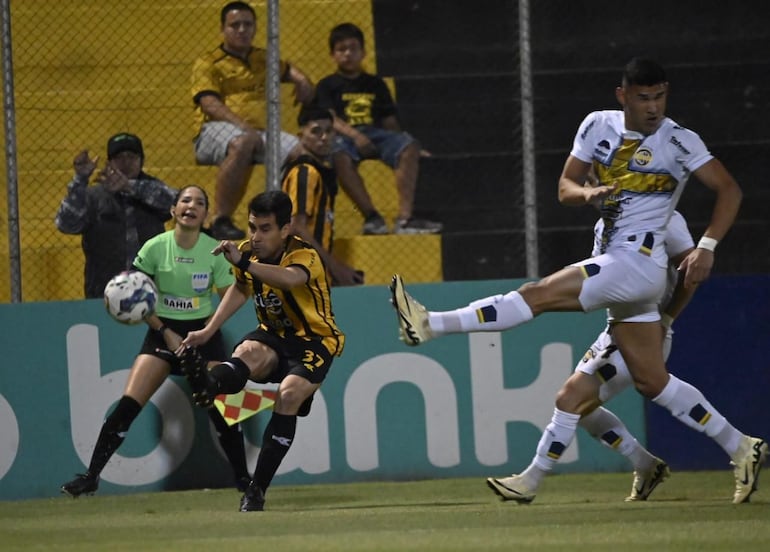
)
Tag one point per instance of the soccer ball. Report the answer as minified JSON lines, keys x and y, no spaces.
{"x":130,"y":297}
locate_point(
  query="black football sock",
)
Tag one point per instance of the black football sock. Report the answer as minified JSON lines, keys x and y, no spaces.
{"x":113,"y":433}
{"x":230,"y":376}
{"x":278,"y":437}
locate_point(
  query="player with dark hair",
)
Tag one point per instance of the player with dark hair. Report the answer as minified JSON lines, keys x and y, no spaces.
{"x":186,"y":274}
{"x":295,"y":342}
{"x":598,"y":377}
{"x":311,"y":182}
{"x":642,"y":160}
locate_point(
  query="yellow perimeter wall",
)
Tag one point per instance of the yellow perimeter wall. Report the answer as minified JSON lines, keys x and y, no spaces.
{"x":85,"y":69}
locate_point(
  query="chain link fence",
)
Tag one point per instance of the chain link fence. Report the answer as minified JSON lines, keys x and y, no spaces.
{"x":84,"y":70}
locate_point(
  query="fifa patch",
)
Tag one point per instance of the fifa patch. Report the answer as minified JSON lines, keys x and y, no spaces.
{"x":200,"y":281}
{"x":487,"y":314}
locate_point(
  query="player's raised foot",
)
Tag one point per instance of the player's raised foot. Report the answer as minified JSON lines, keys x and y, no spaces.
{"x":195,"y":369}
{"x":253,"y":500}
{"x":646,"y":481}
{"x":511,"y":488}
{"x":750,"y":457}
{"x":84,"y":483}
{"x":412,"y":316}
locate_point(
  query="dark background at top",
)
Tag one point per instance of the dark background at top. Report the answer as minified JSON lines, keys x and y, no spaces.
{"x":456,"y":68}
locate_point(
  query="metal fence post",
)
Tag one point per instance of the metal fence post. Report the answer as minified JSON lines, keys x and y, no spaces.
{"x":11,"y":170}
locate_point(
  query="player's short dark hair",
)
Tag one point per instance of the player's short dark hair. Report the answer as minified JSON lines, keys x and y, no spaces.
{"x":313,"y":113}
{"x":343,"y":31}
{"x":272,"y":202}
{"x":642,"y":71}
{"x":230,"y":6}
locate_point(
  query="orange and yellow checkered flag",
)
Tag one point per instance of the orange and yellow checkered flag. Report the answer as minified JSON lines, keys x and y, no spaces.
{"x":239,"y":406}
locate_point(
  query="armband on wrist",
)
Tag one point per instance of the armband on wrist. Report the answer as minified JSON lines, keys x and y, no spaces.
{"x":245,"y":261}
{"x":707,"y":243}
{"x":666,"y":320}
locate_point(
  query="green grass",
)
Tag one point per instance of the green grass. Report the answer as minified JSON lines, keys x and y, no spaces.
{"x":691,"y":511}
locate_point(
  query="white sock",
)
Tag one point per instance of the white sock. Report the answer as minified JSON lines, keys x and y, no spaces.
{"x":689,"y":406}
{"x":491,"y":314}
{"x":613,"y":434}
{"x":555,"y":439}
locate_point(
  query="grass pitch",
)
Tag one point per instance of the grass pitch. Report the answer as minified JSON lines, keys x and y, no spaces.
{"x":691,"y":511}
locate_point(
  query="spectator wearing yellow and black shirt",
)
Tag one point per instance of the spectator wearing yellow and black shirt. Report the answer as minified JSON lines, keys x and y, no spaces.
{"x":311,"y":183}
{"x":228,"y":89}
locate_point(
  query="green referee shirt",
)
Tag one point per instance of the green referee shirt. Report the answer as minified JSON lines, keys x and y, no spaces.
{"x":186,"y":278}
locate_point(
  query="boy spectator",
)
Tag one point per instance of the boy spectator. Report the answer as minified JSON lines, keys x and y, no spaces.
{"x":311,"y":183}
{"x":366,"y":121}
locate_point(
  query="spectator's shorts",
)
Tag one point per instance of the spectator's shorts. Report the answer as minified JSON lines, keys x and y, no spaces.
{"x":215,"y":136}
{"x":389,"y":144}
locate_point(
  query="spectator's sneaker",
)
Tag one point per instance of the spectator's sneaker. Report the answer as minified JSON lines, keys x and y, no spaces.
{"x":417,"y":226}
{"x":253,"y":500}
{"x":84,"y":483}
{"x":223,"y":229}
{"x":412,"y":316}
{"x":645,"y":482}
{"x":195,"y":369}
{"x":753,"y":454}
{"x":511,"y":488}
{"x":375,"y":226}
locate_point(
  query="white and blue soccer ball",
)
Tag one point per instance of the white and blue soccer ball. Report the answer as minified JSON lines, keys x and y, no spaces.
{"x":130,"y":297}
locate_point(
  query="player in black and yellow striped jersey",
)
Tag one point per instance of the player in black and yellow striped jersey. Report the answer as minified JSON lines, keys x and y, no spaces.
{"x":297,"y":337}
{"x":311,"y":183}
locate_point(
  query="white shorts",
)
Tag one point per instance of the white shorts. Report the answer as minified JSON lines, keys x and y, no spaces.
{"x":627,"y":280}
{"x":215,"y":137}
{"x":603,"y":360}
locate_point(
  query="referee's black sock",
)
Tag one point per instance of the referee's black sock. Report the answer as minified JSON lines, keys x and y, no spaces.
{"x":230,"y":376}
{"x":231,"y":440}
{"x":113,"y":433}
{"x":278,"y":437}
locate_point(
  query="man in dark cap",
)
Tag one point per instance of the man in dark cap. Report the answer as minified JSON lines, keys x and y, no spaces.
{"x":117,"y":214}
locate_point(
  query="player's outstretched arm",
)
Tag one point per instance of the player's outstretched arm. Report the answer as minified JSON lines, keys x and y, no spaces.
{"x":697,"y":266}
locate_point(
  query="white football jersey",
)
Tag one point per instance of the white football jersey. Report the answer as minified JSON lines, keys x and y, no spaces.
{"x":650,"y":171}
